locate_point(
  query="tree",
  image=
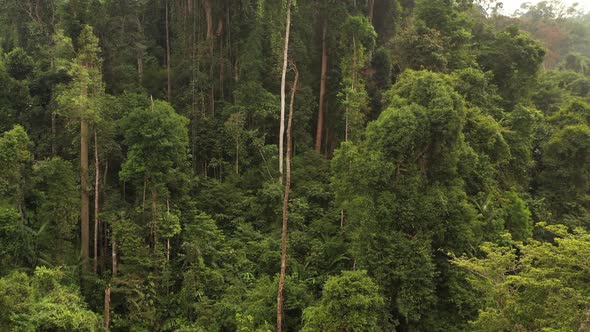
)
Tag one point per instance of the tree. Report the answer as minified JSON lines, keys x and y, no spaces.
{"x":541,"y":287}
{"x":235,"y":128}
{"x":514,"y":57}
{"x":157,"y":140}
{"x":283,"y":83}
{"x":357,"y":40}
{"x":14,"y":157}
{"x":78,"y":100}
{"x":43,"y":302}
{"x":350,"y":302}
{"x":58,"y":205}
{"x":323,"y":78}
{"x":286,"y":205}
{"x":392,"y":185}
{"x":566,"y":186}
{"x":19,"y":64}
{"x":15,"y":100}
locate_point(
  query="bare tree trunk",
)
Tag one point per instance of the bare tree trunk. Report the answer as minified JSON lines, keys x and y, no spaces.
{"x":113,"y":250}
{"x":104,"y":234}
{"x":221,"y":70}
{"x":210,"y":39}
{"x":21,"y":212}
{"x":283,"y":81}
{"x":140,"y":50}
{"x":237,"y":156}
{"x":53,"y":131}
{"x":168,"y":55}
{"x":320,"y":128}
{"x":168,"y":239}
{"x":139,"y":67}
{"x":96,"y":201}
{"x":155,"y":216}
{"x":371,"y":6}
{"x":143,"y":200}
{"x":84,"y":199}
{"x":107,"y":309}
{"x":209,"y":18}
{"x":286,"y":208}
{"x":167,"y":250}
{"x":53,"y":136}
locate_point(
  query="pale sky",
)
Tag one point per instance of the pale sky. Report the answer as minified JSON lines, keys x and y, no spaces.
{"x":511,"y":5}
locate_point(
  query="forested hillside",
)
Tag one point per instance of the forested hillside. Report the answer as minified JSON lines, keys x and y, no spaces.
{"x":294,"y":165}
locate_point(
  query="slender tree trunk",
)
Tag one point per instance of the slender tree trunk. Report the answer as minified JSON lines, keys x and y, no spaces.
{"x":140,"y":50}
{"x":53,"y":131}
{"x":139,"y":68}
{"x":168,"y":55}
{"x":84,"y":200}
{"x":168,"y":239}
{"x":104,"y":175}
{"x":371,"y":6}
{"x":143,"y":200}
{"x":21,"y":213}
{"x":221,"y":71}
{"x":210,"y":38}
{"x":324,"y":71}
{"x":155,"y":216}
{"x":53,"y":136}
{"x":114,"y":250}
{"x":286,"y":208}
{"x":237,"y":156}
{"x":208,"y":17}
{"x":167,"y":250}
{"x":96,"y":202}
{"x":104,"y":234}
{"x":107,"y":309}
{"x":283,"y":81}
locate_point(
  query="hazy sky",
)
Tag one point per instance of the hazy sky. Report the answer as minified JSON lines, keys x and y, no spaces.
{"x":511,"y":5}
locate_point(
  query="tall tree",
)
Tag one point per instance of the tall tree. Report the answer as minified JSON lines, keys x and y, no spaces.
{"x":96,"y":202}
{"x":78,"y":100}
{"x":286,"y":206}
{"x":323,"y":78}
{"x":14,"y":155}
{"x":168,"y":78}
{"x":283,"y":81}
{"x":157,"y":140}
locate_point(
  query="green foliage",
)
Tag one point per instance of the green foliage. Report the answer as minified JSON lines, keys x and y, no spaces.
{"x":157,"y":139}
{"x":9,"y":229}
{"x":541,"y":288}
{"x":565,"y":155}
{"x":518,"y":218}
{"x":446,"y":23}
{"x":14,"y":100}
{"x":445,"y":125}
{"x":402,"y":195}
{"x":350,"y":302}
{"x":57,"y":200}
{"x":43,"y":302}
{"x":77,"y":99}
{"x":14,"y":157}
{"x":357,"y":41}
{"x":420,"y":47}
{"x":19,"y":64}
{"x":514,"y":58}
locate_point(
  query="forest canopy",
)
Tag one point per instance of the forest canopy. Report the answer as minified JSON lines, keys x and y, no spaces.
{"x":294,"y":165}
